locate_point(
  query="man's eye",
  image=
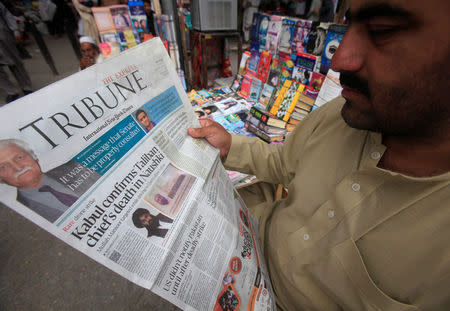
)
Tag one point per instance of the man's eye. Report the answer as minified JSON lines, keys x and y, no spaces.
{"x":380,"y":31}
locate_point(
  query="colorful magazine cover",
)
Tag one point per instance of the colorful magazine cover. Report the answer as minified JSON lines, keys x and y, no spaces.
{"x":264,"y":66}
{"x":334,"y":38}
{"x":265,"y":96}
{"x":262,"y":29}
{"x":253,"y":63}
{"x":302,"y":28}
{"x":286,"y":70}
{"x":286,"y":35}
{"x":273,"y":33}
{"x":254,"y":32}
{"x":245,"y":86}
{"x":236,"y":83}
{"x":304,"y":68}
{"x":120,"y":17}
{"x":244,"y":62}
{"x":109,"y":45}
{"x":138,"y":16}
{"x":255,"y":89}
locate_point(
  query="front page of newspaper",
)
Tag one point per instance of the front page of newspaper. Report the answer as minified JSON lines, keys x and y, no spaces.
{"x":102,"y":160}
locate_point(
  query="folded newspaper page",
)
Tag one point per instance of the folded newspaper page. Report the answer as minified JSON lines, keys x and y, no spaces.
{"x":102,"y":160}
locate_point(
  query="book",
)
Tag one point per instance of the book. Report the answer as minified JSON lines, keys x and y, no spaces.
{"x":255,"y":89}
{"x":262,"y":30}
{"x":286,"y":34}
{"x":236,"y":83}
{"x":302,"y":28}
{"x":138,"y":16}
{"x":334,"y":37}
{"x":263,"y":135}
{"x":266,"y":94}
{"x":253,"y":63}
{"x":304,"y":67}
{"x":274,"y":73}
{"x":292,"y":105}
{"x":245,"y":86}
{"x":267,"y":118}
{"x":286,"y":70}
{"x":266,"y":128}
{"x":254,"y":31}
{"x":280,"y":97}
{"x":264,"y":66}
{"x":273,"y":32}
{"x":120,"y":17}
{"x":244,"y":62}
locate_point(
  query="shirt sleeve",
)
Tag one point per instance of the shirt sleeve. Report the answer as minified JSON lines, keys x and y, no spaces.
{"x":274,"y":163}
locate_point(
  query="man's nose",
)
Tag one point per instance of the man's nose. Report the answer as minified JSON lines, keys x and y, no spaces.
{"x":351,"y":53}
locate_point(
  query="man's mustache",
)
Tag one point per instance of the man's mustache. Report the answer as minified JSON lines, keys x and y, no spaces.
{"x":24,"y":170}
{"x":352,"y":81}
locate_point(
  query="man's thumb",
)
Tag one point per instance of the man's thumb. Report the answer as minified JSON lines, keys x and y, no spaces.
{"x":197,"y":132}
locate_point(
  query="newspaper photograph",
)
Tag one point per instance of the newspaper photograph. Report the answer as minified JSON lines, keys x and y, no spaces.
{"x":102,"y":161}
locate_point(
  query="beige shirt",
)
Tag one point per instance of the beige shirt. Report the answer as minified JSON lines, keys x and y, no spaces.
{"x":349,"y":236}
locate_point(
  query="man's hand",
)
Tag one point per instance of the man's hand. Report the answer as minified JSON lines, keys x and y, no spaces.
{"x":86,"y":61}
{"x":215,"y":134}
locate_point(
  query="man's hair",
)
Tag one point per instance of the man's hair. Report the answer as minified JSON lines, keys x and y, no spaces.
{"x":137,"y":214}
{"x":139,"y":111}
{"x":20,"y":144}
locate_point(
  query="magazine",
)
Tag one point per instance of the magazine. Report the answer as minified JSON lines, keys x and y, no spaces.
{"x":110,"y":170}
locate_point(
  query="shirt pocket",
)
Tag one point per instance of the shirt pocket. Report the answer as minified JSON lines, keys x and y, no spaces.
{"x":350,"y":261}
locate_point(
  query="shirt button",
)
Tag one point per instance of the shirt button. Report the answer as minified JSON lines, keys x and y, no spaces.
{"x":356,"y":187}
{"x":306,"y":236}
{"x":330,"y":214}
{"x":375,"y":155}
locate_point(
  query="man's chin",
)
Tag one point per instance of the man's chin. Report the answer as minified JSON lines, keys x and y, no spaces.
{"x":356,"y":117}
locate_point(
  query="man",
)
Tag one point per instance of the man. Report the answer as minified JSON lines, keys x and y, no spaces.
{"x":9,"y":56}
{"x":366,"y":223}
{"x":154,"y":224}
{"x":144,"y":120}
{"x":44,"y":193}
{"x":90,"y":52}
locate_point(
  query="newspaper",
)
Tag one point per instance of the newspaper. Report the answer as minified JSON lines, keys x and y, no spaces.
{"x":102,"y":160}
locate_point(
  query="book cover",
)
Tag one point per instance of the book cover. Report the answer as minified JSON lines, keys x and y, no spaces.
{"x":286,"y":34}
{"x":273,"y":33}
{"x":120,"y":17}
{"x":266,"y":94}
{"x":286,"y":70}
{"x":245,"y":86}
{"x":253,"y":63}
{"x":302,"y":28}
{"x":138,"y":16}
{"x":254,"y":32}
{"x":276,"y":105}
{"x":244,"y":62}
{"x":274,"y":73}
{"x":129,"y":38}
{"x":255,"y":89}
{"x":236,"y":83}
{"x":109,"y":45}
{"x":334,"y":37}
{"x":316,"y":81}
{"x":262,"y":29}
{"x":287,"y":100}
{"x":264,"y":66}
{"x":292,"y":104}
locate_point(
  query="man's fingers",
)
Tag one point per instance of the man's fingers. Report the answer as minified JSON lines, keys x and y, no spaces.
{"x":205,"y":122}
